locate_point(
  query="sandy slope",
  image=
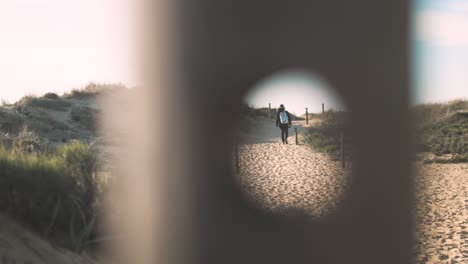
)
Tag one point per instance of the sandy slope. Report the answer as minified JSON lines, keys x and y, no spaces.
{"x":17,"y":245}
{"x":278,"y":176}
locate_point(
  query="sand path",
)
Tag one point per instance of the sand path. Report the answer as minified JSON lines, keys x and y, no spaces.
{"x":277,"y":176}
{"x":442,"y":213}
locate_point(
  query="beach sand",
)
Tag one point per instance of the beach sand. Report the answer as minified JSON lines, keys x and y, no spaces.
{"x":279,"y":177}
{"x":441,"y":203}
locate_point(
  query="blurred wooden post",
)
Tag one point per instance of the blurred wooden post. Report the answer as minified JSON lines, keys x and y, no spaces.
{"x":295,"y":129}
{"x":269,"y":110}
{"x":342,"y":150}
{"x":237,"y":157}
{"x":307,"y":117}
{"x":323,"y":108}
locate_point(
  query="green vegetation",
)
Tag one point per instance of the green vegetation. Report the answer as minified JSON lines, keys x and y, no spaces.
{"x":58,"y":118}
{"x":426,"y":115}
{"x":27,"y":142}
{"x":53,"y":96}
{"x":11,"y":122}
{"x":55,"y":102}
{"x":325,"y":136}
{"x":55,"y":193}
{"x":440,"y":129}
{"x":449,"y":136}
{"x":55,"y":188}
{"x":322,"y":140}
{"x":92,"y":90}
{"x":443,"y":130}
{"x":85,"y":116}
{"x":48,"y":102}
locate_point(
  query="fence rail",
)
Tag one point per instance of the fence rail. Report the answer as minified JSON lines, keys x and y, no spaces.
{"x":337,"y":132}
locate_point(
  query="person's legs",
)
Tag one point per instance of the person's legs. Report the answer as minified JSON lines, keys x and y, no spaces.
{"x":282,"y":133}
{"x":286,"y":134}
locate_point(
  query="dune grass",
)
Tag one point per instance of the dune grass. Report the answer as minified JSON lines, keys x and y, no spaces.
{"x":11,"y":122}
{"x":49,"y":102}
{"x":325,"y":136}
{"x":93,"y":89}
{"x":55,"y":188}
{"x":449,"y":136}
{"x":61,"y":103}
{"x":426,"y":115}
{"x":53,"y":193}
{"x":442,"y":129}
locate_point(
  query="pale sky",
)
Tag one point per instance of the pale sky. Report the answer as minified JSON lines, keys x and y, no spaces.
{"x":296,"y":90}
{"x":440,"y":50}
{"x":57,"y":45}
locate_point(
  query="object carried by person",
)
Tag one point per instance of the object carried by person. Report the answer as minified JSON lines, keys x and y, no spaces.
{"x":283,"y":117}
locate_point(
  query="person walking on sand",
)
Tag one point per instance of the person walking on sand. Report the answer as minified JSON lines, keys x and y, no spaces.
{"x":283,"y":120}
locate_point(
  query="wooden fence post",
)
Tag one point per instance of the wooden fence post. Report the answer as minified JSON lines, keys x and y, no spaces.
{"x":295,"y":129}
{"x":237,"y":157}
{"x":307,"y":117}
{"x":269,"y":110}
{"x":343,"y":162}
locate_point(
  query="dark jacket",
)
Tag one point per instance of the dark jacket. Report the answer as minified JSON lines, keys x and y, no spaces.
{"x":278,"y":122}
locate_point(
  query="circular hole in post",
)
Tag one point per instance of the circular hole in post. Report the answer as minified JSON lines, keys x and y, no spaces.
{"x":293,"y":151}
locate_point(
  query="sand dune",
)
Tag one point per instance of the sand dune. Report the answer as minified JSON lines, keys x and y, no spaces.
{"x":18,"y":245}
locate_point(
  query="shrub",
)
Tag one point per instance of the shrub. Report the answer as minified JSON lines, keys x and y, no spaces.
{"x":446,"y":136}
{"x":42,"y":102}
{"x":53,"y":96}
{"x":27,"y":142}
{"x":93,"y":89}
{"x":426,"y":115}
{"x":86,"y":116}
{"x":442,"y":129}
{"x":323,"y":140}
{"x":53,"y":193}
{"x":326,"y":137}
{"x":10,"y":121}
